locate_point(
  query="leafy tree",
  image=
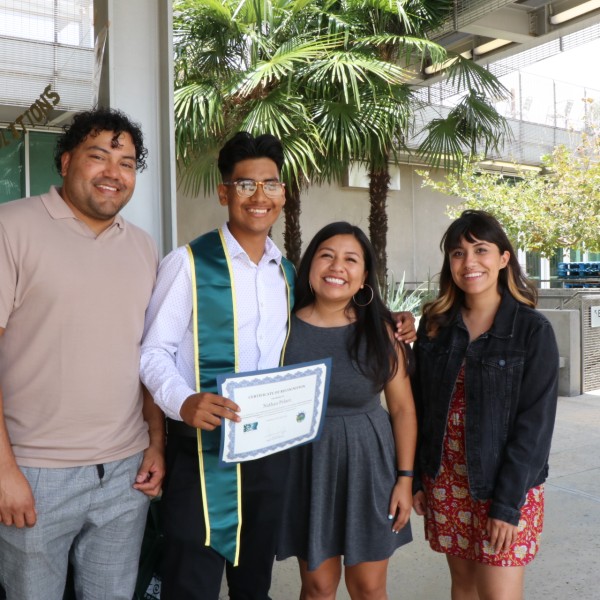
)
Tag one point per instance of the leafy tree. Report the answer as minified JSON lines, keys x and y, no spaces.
{"x":542,"y":210}
{"x":330,"y":78}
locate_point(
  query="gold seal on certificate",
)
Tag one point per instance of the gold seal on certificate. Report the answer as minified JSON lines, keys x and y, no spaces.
{"x":279,"y":408}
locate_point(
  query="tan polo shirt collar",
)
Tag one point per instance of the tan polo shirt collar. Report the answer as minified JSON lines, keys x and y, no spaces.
{"x":58,"y":209}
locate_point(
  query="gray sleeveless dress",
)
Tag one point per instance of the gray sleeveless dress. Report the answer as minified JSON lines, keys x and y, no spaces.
{"x":338,"y":489}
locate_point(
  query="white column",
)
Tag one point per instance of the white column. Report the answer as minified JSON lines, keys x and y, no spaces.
{"x":544,"y":273}
{"x":521,"y":257}
{"x":137,"y":78}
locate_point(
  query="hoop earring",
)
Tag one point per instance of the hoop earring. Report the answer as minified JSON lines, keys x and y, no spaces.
{"x":311,"y":290}
{"x":370,"y":300}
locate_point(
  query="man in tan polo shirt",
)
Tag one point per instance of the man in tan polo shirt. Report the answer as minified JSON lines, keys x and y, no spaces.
{"x":81,"y":448}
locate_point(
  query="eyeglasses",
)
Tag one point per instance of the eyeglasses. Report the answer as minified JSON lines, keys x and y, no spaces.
{"x":248,"y":187}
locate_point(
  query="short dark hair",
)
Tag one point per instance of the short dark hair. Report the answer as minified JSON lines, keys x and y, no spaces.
{"x":243,"y":146}
{"x":373,"y":320}
{"x":93,"y":122}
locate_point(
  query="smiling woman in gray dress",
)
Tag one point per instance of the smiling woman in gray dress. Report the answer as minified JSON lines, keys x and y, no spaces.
{"x":349,"y":494}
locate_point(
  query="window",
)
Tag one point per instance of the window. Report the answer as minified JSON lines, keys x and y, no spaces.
{"x":556,"y":258}
{"x":67,"y":22}
{"x":27,"y":166}
{"x":532,"y":267}
{"x":46,"y":43}
{"x":12,"y":183}
{"x":47,"y":66}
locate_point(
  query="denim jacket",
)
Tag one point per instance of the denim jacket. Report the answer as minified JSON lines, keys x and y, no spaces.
{"x":511,"y":380}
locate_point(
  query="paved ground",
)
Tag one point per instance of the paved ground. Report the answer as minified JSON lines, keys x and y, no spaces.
{"x":568,"y":565}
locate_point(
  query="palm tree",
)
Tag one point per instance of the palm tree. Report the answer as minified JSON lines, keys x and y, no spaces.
{"x":314,"y":72}
{"x":255,"y":66}
{"x":235,"y":62}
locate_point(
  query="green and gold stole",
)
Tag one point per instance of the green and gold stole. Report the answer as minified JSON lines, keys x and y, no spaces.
{"x":216,"y":351}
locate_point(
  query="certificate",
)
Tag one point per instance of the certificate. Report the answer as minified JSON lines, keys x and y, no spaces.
{"x":279,"y":408}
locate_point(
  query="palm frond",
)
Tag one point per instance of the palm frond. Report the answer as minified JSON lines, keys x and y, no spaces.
{"x":464,"y":74}
{"x":198,"y":114}
{"x":472,"y":127}
{"x":289,"y":56}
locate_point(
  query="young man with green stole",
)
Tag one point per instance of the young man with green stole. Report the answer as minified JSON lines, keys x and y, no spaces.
{"x":220,"y":304}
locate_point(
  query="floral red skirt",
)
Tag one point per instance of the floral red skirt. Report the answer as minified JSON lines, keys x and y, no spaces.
{"x":454,"y":522}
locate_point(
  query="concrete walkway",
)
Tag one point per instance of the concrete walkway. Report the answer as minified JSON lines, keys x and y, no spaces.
{"x":568,"y":564}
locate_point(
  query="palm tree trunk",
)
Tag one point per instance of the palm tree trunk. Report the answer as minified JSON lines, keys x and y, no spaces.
{"x":379,"y":183}
{"x":292,"y":236}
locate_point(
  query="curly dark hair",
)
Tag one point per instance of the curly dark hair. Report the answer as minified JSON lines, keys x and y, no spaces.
{"x":93,"y":122}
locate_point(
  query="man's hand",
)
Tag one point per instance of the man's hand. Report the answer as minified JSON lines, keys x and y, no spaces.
{"x":205,"y":410}
{"x":152,"y":471}
{"x":17,"y":505}
{"x":405,"y":327}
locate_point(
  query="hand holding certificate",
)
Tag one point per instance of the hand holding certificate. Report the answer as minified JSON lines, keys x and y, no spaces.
{"x":279,"y":408}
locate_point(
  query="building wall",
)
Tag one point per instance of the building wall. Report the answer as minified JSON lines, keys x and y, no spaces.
{"x":416,"y":220}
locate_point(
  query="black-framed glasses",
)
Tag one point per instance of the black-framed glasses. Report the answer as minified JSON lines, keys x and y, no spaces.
{"x":248,"y":187}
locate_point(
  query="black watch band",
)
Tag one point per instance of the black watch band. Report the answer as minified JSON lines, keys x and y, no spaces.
{"x":404,"y":473}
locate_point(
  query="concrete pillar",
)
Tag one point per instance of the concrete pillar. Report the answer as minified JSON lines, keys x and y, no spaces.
{"x":567,"y":329}
{"x":137,"y":77}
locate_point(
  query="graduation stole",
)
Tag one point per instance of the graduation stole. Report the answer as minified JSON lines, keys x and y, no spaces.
{"x":216,"y":351}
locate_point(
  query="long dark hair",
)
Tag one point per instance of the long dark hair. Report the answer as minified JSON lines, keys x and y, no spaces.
{"x":472,"y":225}
{"x":380,"y":361}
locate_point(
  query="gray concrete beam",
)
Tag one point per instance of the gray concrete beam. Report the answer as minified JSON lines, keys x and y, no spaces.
{"x":507,"y":24}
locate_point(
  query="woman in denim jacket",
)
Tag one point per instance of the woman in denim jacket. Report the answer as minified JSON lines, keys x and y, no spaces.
{"x":486,"y":395}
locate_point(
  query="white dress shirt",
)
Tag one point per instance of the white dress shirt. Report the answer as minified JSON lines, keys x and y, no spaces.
{"x":167,"y":359}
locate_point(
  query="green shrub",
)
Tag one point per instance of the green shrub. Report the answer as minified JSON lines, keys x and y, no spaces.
{"x":398,"y":298}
